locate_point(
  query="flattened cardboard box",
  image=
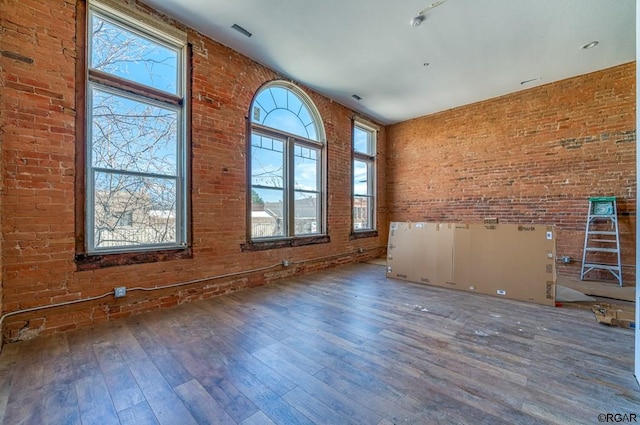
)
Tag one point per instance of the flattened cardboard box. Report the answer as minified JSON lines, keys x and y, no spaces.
{"x":420,"y":252}
{"x":434,"y":242}
{"x":505,"y":260}
{"x":514,"y":261}
{"x":400,"y":252}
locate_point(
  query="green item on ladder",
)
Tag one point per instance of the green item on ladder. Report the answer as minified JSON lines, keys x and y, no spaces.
{"x":602,"y":238}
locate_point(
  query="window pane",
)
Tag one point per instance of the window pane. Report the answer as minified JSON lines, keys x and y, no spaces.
{"x":267,"y":213}
{"x":264,"y":102}
{"x":294,"y":104}
{"x":133,"y":210}
{"x":128,"y":55}
{"x":267,"y":161}
{"x":282,"y":109}
{"x":285,"y":120}
{"x":362,"y":212}
{"x":362,"y":141}
{"x":361,"y":178}
{"x":306,"y":168}
{"x":309,"y":124}
{"x":306,"y":213}
{"x":131,"y":135}
{"x":279,"y":95}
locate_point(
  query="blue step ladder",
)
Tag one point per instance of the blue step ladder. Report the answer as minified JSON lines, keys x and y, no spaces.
{"x":602,"y":238}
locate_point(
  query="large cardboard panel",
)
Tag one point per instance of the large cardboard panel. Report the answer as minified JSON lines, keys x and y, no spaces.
{"x":434,"y":245}
{"x":514,"y":261}
{"x":426,"y":246}
{"x":400,"y":251}
{"x":511,"y":261}
{"x":445,"y":246}
{"x":461,"y":253}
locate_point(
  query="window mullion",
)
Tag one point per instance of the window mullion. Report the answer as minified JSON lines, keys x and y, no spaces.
{"x":290,"y":187}
{"x":372,"y":193}
{"x":136,"y":173}
{"x":363,"y":157}
{"x":105,"y":79}
{"x":89,"y":236}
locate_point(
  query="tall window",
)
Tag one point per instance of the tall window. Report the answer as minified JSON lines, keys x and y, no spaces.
{"x":364,"y":177}
{"x":286,"y":166}
{"x":135,"y":145}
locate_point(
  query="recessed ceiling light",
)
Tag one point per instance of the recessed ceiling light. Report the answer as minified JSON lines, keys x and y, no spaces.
{"x":356,"y":97}
{"x":590,"y":45}
{"x":241,"y":30}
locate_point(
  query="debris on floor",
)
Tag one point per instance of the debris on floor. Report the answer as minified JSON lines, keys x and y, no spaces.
{"x":615,"y":315}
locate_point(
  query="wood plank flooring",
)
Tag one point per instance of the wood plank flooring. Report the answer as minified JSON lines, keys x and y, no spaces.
{"x":344,"y":346}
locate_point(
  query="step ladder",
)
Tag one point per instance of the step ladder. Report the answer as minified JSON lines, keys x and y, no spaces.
{"x":602,"y":238}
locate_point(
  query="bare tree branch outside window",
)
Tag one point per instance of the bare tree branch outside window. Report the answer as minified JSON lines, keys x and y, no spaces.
{"x":134,"y":148}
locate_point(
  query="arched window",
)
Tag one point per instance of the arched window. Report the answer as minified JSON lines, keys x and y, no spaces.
{"x":287,"y":157}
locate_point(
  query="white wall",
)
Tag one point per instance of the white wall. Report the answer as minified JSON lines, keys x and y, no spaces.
{"x":637,"y":362}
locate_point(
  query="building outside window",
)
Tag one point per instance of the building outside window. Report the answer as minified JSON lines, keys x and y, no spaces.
{"x":135,"y":136}
{"x":287,"y":157}
{"x":364,"y":177}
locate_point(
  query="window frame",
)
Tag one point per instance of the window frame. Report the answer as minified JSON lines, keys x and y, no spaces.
{"x":370,"y":159}
{"x":290,"y":141}
{"x":89,"y":79}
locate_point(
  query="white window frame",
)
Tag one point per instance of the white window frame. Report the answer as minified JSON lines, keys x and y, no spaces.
{"x":290,"y":142}
{"x":370,"y":159}
{"x":158,"y":32}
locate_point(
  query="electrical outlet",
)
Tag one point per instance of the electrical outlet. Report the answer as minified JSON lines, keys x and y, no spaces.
{"x":285,"y":263}
{"x":120,"y":291}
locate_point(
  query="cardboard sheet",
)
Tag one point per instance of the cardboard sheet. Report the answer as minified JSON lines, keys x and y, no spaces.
{"x":505,"y":260}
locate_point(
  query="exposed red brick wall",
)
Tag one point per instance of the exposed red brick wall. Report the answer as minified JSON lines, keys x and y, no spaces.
{"x":2,"y":114}
{"x":38,"y":171}
{"x":531,"y":157}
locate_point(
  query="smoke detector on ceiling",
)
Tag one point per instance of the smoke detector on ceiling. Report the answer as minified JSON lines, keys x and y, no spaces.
{"x":417,"y":20}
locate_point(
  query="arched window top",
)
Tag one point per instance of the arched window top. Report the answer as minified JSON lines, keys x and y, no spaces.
{"x":283,"y":106}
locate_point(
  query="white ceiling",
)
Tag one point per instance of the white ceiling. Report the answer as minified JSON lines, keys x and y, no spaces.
{"x":475,"y":49}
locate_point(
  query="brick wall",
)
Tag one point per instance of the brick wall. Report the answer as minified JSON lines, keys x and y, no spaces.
{"x":38,"y":171}
{"x":2,"y":114}
{"x":531,"y":157}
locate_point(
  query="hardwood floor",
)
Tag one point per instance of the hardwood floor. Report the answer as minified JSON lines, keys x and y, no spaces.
{"x":345,"y":346}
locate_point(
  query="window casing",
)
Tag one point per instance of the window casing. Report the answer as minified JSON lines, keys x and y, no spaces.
{"x":135,"y":142}
{"x":286,"y":165}
{"x":364,"y":177}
